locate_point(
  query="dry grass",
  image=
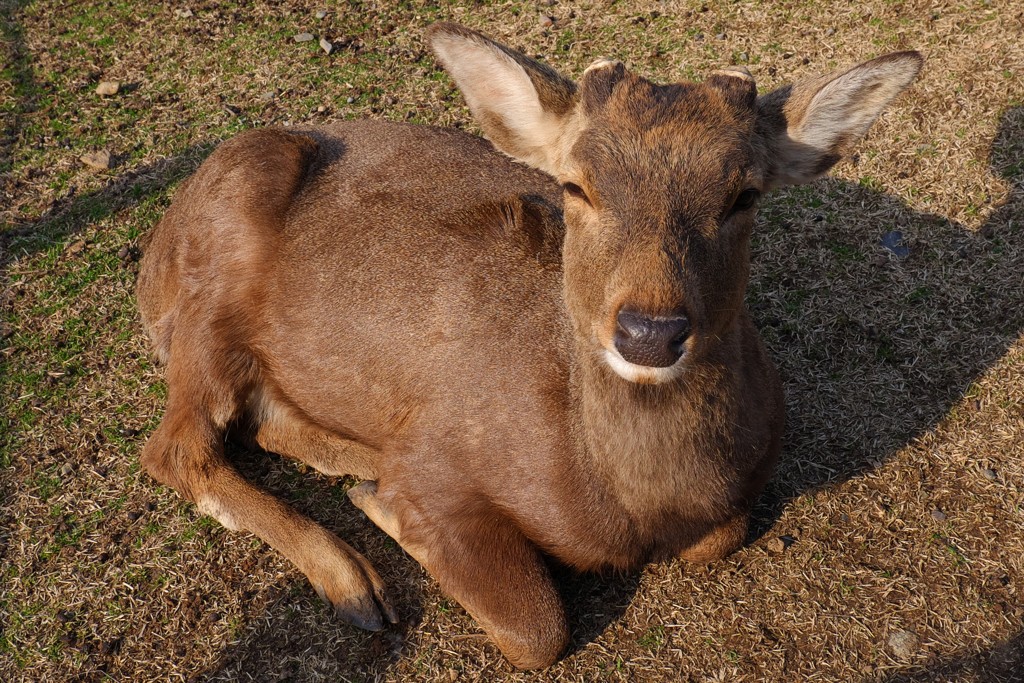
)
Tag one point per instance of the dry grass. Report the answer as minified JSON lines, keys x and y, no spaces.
{"x":902,"y":484}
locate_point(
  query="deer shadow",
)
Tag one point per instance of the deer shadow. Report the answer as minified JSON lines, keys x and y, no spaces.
{"x":1003,"y":663}
{"x":877,"y":342}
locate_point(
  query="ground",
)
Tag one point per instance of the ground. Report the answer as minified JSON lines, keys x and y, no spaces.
{"x":888,"y":547}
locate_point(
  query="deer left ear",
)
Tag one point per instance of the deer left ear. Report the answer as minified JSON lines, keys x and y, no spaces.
{"x":807,"y":127}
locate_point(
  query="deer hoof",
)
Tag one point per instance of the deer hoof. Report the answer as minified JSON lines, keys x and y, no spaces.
{"x":366,"y":611}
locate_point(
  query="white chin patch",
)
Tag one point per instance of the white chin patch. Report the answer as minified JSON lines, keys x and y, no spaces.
{"x":642,"y":374}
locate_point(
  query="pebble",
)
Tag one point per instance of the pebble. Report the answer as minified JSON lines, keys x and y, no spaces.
{"x":903,"y":644}
{"x":546,"y":21}
{"x":989,"y":474}
{"x":744,"y":57}
{"x":326,"y":45}
{"x":107,"y":88}
{"x":892,"y":241}
{"x":778,"y":545}
{"x":720,"y":36}
{"x":938,"y":515}
{"x":66,"y":469}
{"x":183,"y":13}
{"x":320,"y":14}
{"x":97,"y":161}
{"x":830,"y":32}
{"x":303,"y":37}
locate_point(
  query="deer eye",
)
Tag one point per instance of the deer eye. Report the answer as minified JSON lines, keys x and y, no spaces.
{"x":745,"y":200}
{"x":574,"y":190}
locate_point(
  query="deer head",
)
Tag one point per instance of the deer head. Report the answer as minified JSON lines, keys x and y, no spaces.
{"x":661,"y":182}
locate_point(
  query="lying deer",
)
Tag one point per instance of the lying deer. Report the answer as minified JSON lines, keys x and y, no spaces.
{"x":549,"y":357}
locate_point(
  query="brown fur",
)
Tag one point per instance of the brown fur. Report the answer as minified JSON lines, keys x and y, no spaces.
{"x":407,"y":305}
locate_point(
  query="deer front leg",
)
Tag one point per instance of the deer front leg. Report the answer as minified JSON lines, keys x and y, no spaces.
{"x":720,"y":541}
{"x":486,"y":564}
{"x":186,"y":453}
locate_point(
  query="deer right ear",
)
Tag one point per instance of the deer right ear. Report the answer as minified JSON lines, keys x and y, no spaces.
{"x":521,"y":104}
{"x":807,"y":127}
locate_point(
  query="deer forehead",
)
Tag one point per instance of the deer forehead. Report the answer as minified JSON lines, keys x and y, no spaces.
{"x":666,"y":154}
{"x":688,"y":131}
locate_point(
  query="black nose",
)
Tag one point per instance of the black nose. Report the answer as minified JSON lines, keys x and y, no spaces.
{"x":652,"y":342}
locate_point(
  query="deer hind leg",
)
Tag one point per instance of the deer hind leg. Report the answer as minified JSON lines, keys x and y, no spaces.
{"x":186,"y":453}
{"x":486,"y":564}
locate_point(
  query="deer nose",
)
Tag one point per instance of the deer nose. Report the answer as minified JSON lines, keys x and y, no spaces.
{"x":654,"y":342}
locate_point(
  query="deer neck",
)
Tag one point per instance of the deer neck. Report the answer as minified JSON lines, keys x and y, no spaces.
{"x":649,"y":443}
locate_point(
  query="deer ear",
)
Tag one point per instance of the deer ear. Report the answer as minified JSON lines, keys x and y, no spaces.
{"x":807,"y":127}
{"x":522,"y":105}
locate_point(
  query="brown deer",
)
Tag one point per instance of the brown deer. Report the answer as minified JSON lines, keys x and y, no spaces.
{"x":520,"y":359}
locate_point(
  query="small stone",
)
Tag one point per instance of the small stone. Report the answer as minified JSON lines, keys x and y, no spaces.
{"x":350,"y":100}
{"x":699,"y":37}
{"x":903,"y":644}
{"x":97,"y":161}
{"x":107,"y":88}
{"x":830,"y":32}
{"x":268,"y":96}
{"x":326,"y":45}
{"x":183,"y":13}
{"x":720,"y":36}
{"x":744,"y":57}
{"x":124,"y":252}
{"x":546,"y":21}
{"x":938,"y":515}
{"x":66,"y":470}
{"x":320,"y":14}
{"x":303,"y":37}
{"x":989,"y":474}
{"x":892,"y":242}
{"x":321,"y":109}
{"x":776,"y":545}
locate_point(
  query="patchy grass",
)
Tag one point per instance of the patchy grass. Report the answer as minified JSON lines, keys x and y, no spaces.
{"x":901,"y":490}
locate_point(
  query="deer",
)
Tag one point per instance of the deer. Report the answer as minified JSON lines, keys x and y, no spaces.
{"x":529,"y":348}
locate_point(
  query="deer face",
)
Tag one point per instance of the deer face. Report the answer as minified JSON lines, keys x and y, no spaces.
{"x":661,"y":185}
{"x":661,"y":182}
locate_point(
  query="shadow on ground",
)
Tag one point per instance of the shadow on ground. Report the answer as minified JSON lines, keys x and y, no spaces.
{"x":1003,"y":663}
{"x":875,"y":348}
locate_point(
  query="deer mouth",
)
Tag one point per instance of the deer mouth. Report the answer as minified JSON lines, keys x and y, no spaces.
{"x":643,"y":374}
